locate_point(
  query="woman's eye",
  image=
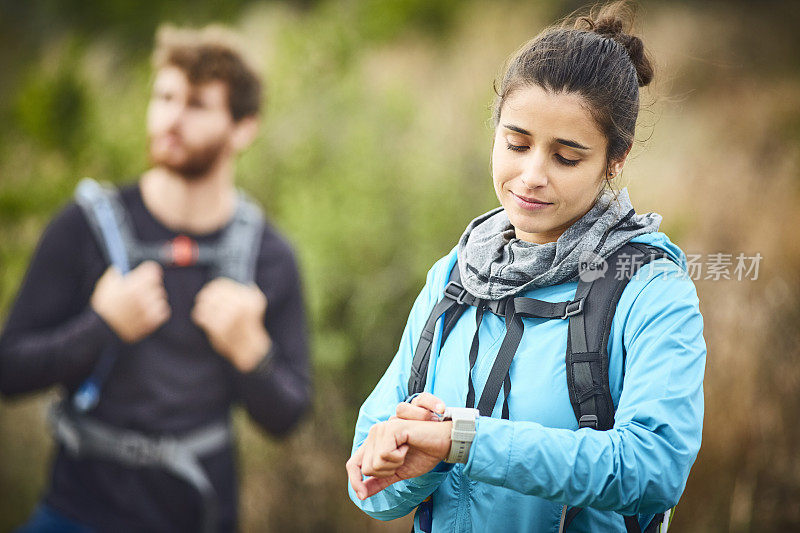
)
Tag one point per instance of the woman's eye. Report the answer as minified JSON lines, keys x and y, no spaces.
{"x":516,"y":147}
{"x":564,"y":161}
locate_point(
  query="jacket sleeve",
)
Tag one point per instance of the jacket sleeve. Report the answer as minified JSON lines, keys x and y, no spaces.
{"x":277,"y":392}
{"x":402,"y":497}
{"x":52,"y":335}
{"x":642,"y":464}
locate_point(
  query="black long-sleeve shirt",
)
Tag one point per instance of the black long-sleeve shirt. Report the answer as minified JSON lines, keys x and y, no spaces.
{"x":169,"y":383}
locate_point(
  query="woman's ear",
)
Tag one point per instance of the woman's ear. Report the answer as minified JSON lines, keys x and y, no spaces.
{"x":615,"y":167}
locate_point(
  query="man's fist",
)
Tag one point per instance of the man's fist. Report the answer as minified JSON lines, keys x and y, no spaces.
{"x":232,"y":315}
{"x":133,"y":305}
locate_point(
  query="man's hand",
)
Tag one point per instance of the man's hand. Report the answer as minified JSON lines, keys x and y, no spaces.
{"x":133,"y":305}
{"x":232,"y":315}
{"x":395,"y":450}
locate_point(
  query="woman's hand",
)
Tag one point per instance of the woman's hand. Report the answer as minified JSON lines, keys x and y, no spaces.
{"x":395,"y":450}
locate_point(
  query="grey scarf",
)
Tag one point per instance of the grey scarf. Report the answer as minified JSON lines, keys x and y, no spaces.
{"x":493,"y":263}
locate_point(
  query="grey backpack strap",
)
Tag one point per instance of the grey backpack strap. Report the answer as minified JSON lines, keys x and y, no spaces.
{"x":108,"y":220}
{"x":236,"y":253}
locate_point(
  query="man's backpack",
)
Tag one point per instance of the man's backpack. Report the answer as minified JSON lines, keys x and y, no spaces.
{"x":590,"y":315}
{"x":234,"y":255}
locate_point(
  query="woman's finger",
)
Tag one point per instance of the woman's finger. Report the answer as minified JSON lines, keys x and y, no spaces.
{"x":389,"y":451}
{"x":373,"y":485}
{"x":408,"y":411}
{"x":383,"y":440}
{"x":429,"y":402}
{"x":353,"y":467}
{"x":369,"y":444}
{"x":387,"y":462}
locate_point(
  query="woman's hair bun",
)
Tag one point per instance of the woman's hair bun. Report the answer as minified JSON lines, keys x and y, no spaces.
{"x":614,"y":22}
{"x":608,"y":27}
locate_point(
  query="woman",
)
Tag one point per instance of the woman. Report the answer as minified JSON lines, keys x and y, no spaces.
{"x":532,"y":458}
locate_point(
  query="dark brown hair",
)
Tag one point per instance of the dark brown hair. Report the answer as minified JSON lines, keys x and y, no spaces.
{"x":595,"y":56}
{"x":209,"y":54}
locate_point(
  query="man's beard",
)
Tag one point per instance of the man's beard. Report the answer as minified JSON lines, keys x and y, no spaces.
{"x":195,"y":165}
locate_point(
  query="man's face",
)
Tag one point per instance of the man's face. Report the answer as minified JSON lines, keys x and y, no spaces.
{"x":189,"y":126}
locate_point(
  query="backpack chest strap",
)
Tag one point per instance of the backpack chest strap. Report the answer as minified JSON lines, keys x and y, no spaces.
{"x":182,"y":251}
{"x":515,"y":310}
{"x":454,"y":302}
{"x":234,"y":254}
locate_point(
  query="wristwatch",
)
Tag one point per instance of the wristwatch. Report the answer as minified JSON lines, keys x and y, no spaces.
{"x":462,"y":434}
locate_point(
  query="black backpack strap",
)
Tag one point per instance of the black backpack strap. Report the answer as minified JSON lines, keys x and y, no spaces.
{"x":632,"y":524}
{"x":655,"y":524}
{"x":502,"y":363}
{"x":453,"y":304}
{"x":452,"y":314}
{"x":515,"y":309}
{"x":587,"y":350}
{"x":589,"y":330}
{"x":568,"y":514}
{"x":455,"y":301}
{"x":473,"y":354}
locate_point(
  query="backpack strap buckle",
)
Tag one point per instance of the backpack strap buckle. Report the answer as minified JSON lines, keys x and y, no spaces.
{"x":588,"y":421}
{"x":137,"y":450}
{"x":573,"y":308}
{"x":498,"y":307}
{"x":182,"y":251}
{"x":455,"y":291}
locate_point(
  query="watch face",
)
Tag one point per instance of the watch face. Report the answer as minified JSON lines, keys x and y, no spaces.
{"x":464,"y":413}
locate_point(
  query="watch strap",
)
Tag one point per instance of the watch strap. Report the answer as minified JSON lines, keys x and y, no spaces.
{"x":462,"y":434}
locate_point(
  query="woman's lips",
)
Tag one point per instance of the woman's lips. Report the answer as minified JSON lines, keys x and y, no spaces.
{"x":530,"y":204}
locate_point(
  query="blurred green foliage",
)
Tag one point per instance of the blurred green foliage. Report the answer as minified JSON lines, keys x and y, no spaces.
{"x":373,"y":157}
{"x":346,"y":166}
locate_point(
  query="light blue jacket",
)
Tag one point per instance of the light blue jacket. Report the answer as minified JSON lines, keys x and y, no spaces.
{"x":521,"y":471}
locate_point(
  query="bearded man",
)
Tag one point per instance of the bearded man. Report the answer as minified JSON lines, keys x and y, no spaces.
{"x":207,"y":313}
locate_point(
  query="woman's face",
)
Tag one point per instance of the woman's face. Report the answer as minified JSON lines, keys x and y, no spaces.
{"x":548,"y":162}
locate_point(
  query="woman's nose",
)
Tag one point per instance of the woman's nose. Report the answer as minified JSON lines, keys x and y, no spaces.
{"x":534,"y":172}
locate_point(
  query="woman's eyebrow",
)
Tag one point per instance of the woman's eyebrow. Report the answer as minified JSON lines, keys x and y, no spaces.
{"x":565,"y":142}
{"x":572,"y":144}
{"x":517,"y":129}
